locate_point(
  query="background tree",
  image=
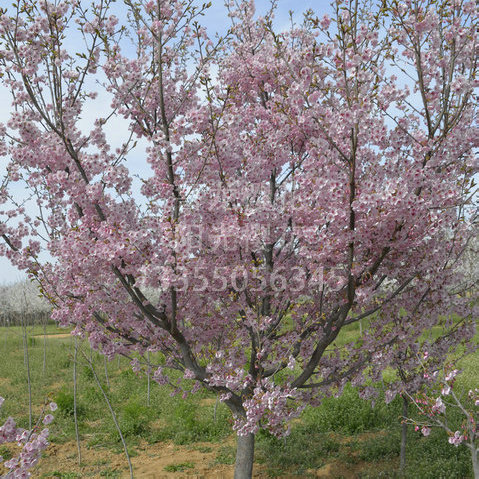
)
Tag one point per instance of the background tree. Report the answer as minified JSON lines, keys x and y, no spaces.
{"x":293,"y":183}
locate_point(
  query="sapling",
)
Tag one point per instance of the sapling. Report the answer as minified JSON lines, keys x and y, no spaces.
{"x":75,"y":400}
{"x":112,"y":411}
{"x":26,"y":356}
{"x":105,"y":366}
{"x":148,"y":377}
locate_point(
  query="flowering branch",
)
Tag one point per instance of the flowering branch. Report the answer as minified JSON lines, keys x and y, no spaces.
{"x":436,"y":405}
{"x":31,"y":441}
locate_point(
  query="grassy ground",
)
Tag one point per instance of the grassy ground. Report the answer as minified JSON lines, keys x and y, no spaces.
{"x":345,"y":437}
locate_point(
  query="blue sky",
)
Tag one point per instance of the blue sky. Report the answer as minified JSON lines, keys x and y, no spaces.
{"x":216,"y":14}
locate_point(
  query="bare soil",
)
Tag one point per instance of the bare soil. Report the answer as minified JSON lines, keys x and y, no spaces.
{"x":181,"y":462}
{"x":149,"y":463}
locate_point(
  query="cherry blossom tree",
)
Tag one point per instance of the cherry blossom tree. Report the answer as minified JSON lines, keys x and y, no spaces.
{"x":293,"y":183}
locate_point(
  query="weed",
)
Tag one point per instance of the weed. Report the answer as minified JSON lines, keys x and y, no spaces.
{"x":95,"y":441}
{"x":380,"y":447}
{"x":110,"y":473}
{"x":181,"y":467}
{"x":187,"y":424}
{"x":65,"y":363}
{"x":5,"y":453}
{"x":64,"y":475}
{"x":65,"y":402}
{"x":134,"y":419}
{"x":87,"y":373}
{"x":204,"y":449}
{"x":350,"y":414}
{"x":434,"y":458}
{"x":305,"y":448}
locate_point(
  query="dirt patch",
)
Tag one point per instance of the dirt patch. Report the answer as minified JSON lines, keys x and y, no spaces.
{"x":165,"y":460}
{"x":57,"y":336}
{"x":325,"y":471}
{"x":150,"y":461}
{"x":334,"y":470}
{"x":197,"y":463}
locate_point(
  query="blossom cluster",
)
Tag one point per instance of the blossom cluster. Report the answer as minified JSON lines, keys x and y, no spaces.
{"x":271,"y":405}
{"x":32,"y":443}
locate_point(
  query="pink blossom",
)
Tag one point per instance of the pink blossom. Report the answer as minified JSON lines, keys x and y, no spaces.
{"x":425,"y":430}
{"x":456,"y":439}
{"x":439,"y":406}
{"x":446,"y":389}
{"x":451,"y":375}
{"x":47,"y":419}
{"x":325,"y":22}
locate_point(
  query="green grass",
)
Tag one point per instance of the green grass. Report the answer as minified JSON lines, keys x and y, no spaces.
{"x":332,"y":432}
{"x":350,"y":431}
{"x":187,"y":424}
{"x":5,"y":452}
{"x":63,"y":475}
{"x":344,"y":430}
{"x":350,"y":414}
{"x":225,"y":455}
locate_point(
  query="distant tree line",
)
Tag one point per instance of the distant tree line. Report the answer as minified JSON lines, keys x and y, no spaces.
{"x":21,"y":303}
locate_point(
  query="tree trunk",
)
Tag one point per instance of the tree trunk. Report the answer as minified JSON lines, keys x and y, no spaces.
{"x":402,"y":457}
{"x":244,"y":457}
{"x":44,"y":369}
{"x":106,"y":372}
{"x":475,"y":460}
{"x":26,"y":359}
{"x":148,"y":392}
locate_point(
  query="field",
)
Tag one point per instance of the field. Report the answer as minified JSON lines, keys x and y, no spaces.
{"x":168,"y":437}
